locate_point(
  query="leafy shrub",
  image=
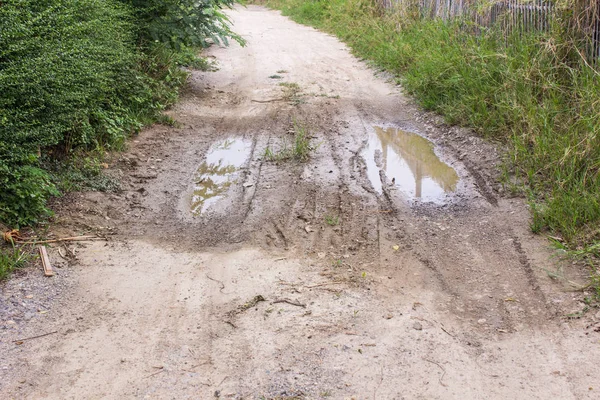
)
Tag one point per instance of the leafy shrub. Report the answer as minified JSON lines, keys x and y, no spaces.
{"x":182,"y":23}
{"x":68,"y":78}
{"x":85,"y":74}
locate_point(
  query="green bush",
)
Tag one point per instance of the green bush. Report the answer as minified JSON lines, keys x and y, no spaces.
{"x":68,"y":78}
{"x":85,"y":74}
{"x":182,"y":23}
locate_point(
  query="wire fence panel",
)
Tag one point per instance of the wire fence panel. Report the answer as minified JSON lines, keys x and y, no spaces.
{"x":515,"y":16}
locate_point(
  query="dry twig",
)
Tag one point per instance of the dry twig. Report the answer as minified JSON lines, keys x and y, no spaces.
{"x":218,"y":281}
{"x":290,"y":302}
{"x":324,"y":284}
{"x":442,"y":368}
{"x":20,"y":341}
{"x":69,"y":239}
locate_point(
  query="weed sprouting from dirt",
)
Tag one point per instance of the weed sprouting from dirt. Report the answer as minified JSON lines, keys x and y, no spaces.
{"x":332,"y":220}
{"x":282,"y":71}
{"x":270,"y":155}
{"x":300,"y":149}
{"x":291,"y":92}
{"x":275,"y":77}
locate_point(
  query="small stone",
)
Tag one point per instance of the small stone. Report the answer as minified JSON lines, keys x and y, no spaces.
{"x":417,"y":326}
{"x":388,"y":316}
{"x":481,"y":321}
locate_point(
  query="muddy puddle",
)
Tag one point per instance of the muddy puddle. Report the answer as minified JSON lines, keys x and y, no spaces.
{"x":218,"y":172}
{"x":410,"y":163}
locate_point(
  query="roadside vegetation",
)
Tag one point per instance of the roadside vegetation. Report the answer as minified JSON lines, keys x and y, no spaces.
{"x":79,"y":77}
{"x":533,"y":91}
{"x":10,"y":260}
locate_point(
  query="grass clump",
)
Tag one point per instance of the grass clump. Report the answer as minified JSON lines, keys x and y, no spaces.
{"x":332,"y":220}
{"x":292,"y":92}
{"x":532,"y":91}
{"x":299,"y":150}
{"x":10,"y":260}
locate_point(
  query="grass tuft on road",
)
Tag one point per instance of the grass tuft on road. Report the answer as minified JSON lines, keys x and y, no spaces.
{"x":300,"y":149}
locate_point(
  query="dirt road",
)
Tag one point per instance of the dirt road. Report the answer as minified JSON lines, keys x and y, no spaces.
{"x":231,"y":275}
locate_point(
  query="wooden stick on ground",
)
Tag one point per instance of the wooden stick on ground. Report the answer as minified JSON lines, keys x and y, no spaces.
{"x":20,"y":341}
{"x":294,"y":303}
{"x":266,"y":101}
{"x":324,"y":284}
{"x":69,"y":239}
{"x":45,"y":261}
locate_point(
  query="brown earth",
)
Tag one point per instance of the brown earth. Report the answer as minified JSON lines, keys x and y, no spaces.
{"x":366,"y":295}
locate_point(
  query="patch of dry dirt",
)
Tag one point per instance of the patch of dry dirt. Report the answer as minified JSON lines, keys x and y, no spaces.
{"x":363,"y":294}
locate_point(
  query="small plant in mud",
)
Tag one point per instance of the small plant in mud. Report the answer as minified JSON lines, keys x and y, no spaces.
{"x":291,"y":92}
{"x":332,"y":220}
{"x":282,"y":71}
{"x":300,"y":149}
{"x":270,"y":155}
{"x":275,"y":77}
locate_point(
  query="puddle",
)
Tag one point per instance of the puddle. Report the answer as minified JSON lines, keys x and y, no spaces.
{"x":410,"y":160}
{"x":218,"y":172}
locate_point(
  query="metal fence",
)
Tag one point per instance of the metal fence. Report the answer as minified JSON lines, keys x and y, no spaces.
{"x":582,"y":18}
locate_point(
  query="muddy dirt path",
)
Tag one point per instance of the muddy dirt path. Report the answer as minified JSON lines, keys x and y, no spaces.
{"x":228,"y":275}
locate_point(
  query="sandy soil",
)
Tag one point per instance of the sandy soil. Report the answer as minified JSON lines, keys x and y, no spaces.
{"x":304,"y":280}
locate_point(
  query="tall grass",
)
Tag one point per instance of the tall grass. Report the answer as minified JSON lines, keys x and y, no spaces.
{"x":532,"y":91}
